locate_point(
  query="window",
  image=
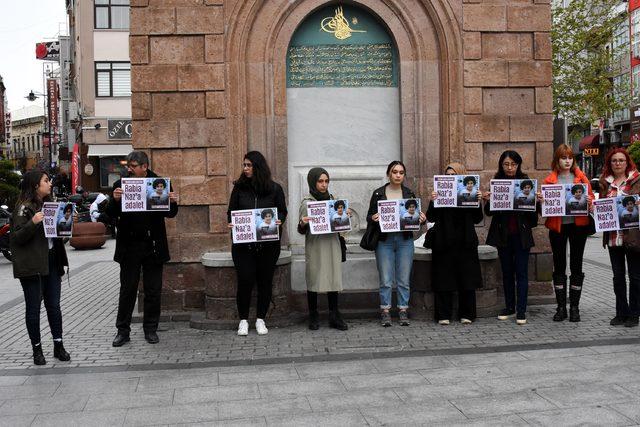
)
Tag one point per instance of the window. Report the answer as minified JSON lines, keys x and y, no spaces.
{"x":635,"y":33}
{"x":111,"y":14}
{"x":113,"y":79}
{"x":621,"y":41}
{"x":636,"y":83}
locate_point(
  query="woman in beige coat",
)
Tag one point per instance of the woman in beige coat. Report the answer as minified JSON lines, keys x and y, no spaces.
{"x":323,"y":256}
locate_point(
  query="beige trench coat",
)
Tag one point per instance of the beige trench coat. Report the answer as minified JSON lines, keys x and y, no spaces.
{"x":323,"y":258}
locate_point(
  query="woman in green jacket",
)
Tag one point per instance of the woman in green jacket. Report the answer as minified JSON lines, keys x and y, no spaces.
{"x":38,"y":262}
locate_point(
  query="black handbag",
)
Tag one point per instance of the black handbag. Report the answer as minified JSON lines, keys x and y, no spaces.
{"x":429,"y":237}
{"x":343,"y":248}
{"x":370,"y":237}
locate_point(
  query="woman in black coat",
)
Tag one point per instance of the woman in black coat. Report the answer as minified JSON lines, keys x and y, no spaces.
{"x":38,"y":262}
{"x":255,"y":263}
{"x":455,"y":262}
{"x":510,"y":232}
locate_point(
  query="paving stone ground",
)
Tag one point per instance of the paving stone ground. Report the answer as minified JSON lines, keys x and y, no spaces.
{"x":488,"y":373}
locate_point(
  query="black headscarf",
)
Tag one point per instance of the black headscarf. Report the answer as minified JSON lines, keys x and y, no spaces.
{"x":312,"y":178}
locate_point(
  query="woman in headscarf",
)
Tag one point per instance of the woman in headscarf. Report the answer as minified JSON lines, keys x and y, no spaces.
{"x":455,"y":263}
{"x":323,"y":256}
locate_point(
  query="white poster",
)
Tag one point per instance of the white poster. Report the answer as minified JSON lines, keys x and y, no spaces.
{"x":564,"y":200}
{"x":328,"y":216}
{"x":58,"y":219}
{"x":145,"y":194}
{"x":255,"y":225}
{"x":459,"y":191}
{"x":605,"y":215}
{"x":399,"y":215}
{"x":513,"y":194}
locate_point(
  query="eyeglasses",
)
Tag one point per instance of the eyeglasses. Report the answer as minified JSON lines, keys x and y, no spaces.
{"x":247,"y":165}
{"x":509,"y":165}
{"x":618,"y":160}
{"x":133,"y":165}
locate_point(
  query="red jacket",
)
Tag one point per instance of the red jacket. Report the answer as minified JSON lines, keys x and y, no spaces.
{"x":554,"y":223}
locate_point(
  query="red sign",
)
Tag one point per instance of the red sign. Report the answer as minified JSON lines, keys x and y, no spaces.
{"x":48,"y":51}
{"x":75,"y":168}
{"x":53,"y":95}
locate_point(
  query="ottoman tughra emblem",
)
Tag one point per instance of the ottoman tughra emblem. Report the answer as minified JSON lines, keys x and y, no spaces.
{"x":338,"y":25}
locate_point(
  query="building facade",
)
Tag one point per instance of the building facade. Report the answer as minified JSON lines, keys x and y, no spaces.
{"x":348,"y":87}
{"x":100,"y":79}
{"x":27,"y":148}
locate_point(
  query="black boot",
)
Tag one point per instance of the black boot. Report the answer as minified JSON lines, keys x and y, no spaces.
{"x":336,"y":322}
{"x":314,"y":321}
{"x":38,"y":357}
{"x":560,"y":286}
{"x":575,"y":289}
{"x":314,"y":317}
{"x":59,"y":352}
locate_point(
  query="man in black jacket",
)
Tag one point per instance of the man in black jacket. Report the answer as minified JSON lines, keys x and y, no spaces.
{"x":141,"y":244}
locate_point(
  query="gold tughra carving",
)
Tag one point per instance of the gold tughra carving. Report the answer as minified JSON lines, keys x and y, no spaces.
{"x":338,"y":25}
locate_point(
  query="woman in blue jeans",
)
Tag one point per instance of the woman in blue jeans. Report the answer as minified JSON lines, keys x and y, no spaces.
{"x":394,"y":252}
{"x":38,"y":262}
{"x":510,"y":232}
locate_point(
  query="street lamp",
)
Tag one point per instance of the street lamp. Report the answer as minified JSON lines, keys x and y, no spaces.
{"x":32,"y":96}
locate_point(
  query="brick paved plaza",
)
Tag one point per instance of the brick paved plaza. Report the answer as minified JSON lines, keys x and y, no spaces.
{"x":488,"y":373}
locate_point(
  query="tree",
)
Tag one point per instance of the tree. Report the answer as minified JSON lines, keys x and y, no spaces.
{"x":586,"y":59}
{"x":9,"y":184}
{"x":634,"y":152}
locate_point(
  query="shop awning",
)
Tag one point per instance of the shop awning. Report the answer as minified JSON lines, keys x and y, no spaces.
{"x":590,"y":141}
{"x":109,"y":150}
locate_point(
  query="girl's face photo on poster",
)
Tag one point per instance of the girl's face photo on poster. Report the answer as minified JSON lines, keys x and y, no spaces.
{"x":65,"y":218}
{"x":576,"y":199}
{"x":409,"y":214}
{"x":628,"y":211}
{"x":157,"y":193}
{"x":525,"y":194}
{"x":467,"y":190}
{"x":338,"y":215}
{"x":266,"y":227}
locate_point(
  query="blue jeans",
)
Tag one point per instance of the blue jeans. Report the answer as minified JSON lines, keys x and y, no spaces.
{"x":394,"y":257}
{"x":514,"y":260}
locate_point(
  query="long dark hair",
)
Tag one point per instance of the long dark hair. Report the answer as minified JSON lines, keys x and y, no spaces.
{"x":395,"y":163}
{"x":28,"y":186}
{"x":513,"y":155}
{"x":260,"y":181}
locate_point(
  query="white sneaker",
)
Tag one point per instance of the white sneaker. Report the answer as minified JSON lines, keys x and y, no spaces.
{"x":261,"y":328}
{"x":443,"y":322}
{"x":465,"y":321}
{"x":243,"y":328}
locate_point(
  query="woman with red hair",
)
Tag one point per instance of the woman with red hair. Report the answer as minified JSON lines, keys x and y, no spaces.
{"x":620,"y":177}
{"x":572,"y":229}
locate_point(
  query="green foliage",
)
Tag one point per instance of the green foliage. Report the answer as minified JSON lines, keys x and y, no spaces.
{"x":634,"y":152}
{"x":9,"y":184}
{"x":584,"y":61}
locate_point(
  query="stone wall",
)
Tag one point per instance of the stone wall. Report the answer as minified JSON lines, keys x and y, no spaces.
{"x":207,"y":83}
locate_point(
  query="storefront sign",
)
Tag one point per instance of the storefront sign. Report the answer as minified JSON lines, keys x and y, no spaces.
{"x":48,"y":51}
{"x":591,"y":152}
{"x":53,"y":95}
{"x":120,"y":129}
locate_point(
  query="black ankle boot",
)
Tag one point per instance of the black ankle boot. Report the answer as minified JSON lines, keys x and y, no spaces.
{"x":575,"y":290}
{"x":59,"y":352}
{"x":314,"y":321}
{"x":560,"y":286}
{"x":38,"y":357}
{"x":336,"y":322}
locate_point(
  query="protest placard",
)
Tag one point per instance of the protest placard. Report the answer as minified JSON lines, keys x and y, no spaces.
{"x":145,"y":194}
{"x":329,"y":216}
{"x":58,"y":219}
{"x":513,"y":194}
{"x":459,"y":191}
{"x":399,"y":215}
{"x":445,"y":188}
{"x":553,"y":203}
{"x":616,"y":213}
{"x":254,"y":225}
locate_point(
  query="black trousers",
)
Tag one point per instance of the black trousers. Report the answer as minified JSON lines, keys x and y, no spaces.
{"x":577,"y":241}
{"x":624,"y":307}
{"x":139,"y":259}
{"x":255,"y":265}
{"x":36,"y":289}
{"x":466,"y":304}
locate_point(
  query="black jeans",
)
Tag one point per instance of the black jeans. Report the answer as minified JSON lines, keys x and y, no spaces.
{"x":577,"y":241}
{"x":140,"y":258}
{"x":37,"y":288}
{"x":255,"y":265}
{"x":466,"y":304}
{"x":514,"y":262}
{"x":617,"y":255}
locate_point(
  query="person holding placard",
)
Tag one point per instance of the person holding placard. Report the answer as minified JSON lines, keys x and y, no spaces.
{"x":323,"y":256}
{"x":255,"y":263}
{"x":38,"y":262}
{"x":455,"y":263}
{"x":141,"y":247}
{"x":510,"y":232}
{"x":571,"y":229}
{"x":394,"y":251}
{"x":620,"y":177}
